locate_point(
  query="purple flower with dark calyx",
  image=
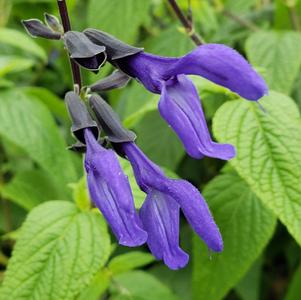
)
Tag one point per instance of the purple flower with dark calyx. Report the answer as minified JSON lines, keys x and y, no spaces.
{"x":179,"y":104}
{"x":160,"y":211}
{"x":111,"y":193}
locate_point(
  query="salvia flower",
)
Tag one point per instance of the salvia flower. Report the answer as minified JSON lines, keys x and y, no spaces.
{"x":179,"y":104}
{"x":160,"y":211}
{"x":111,"y":193}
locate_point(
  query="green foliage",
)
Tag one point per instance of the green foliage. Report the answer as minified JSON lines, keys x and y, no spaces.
{"x":27,"y":123}
{"x":120,"y":18}
{"x":246,"y":226}
{"x":30,"y":188}
{"x":137,"y":285}
{"x":129,"y":261}
{"x":62,"y":249}
{"x":59,"y":251}
{"x":279,"y":53}
{"x":22,"y":41}
{"x":159,"y":142}
{"x":13,"y":64}
{"x":268,"y":152}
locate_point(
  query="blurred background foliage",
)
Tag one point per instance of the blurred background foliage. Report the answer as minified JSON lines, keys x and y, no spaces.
{"x":64,"y":250}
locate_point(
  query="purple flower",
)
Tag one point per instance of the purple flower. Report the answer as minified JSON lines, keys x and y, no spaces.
{"x":111,"y":193}
{"x":180,"y":104}
{"x":160,"y":211}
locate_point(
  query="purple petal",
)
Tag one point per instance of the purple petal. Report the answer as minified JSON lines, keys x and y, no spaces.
{"x":147,"y":173}
{"x":223,"y":66}
{"x":159,"y":187}
{"x":147,"y":68}
{"x":110,"y":191}
{"x":196,"y":212}
{"x":181,"y":108}
{"x":160,"y":218}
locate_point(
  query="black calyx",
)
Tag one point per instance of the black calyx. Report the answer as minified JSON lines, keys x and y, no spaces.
{"x":53,"y":23}
{"x":38,"y":29}
{"x":115,"y":48}
{"x":83,"y":51}
{"x":110,"y":121}
{"x":80,"y":117}
{"x":116,"y":80}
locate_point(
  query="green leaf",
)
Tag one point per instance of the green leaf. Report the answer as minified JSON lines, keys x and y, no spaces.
{"x":119,"y":18}
{"x":279,"y":53}
{"x":14,"y":64}
{"x":128,"y":261}
{"x":268,"y":152}
{"x":27,"y":123}
{"x":97,"y":287}
{"x":23,"y":42}
{"x":138,"y":285}
{"x":294,"y":289}
{"x":52,"y":101}
{"x":246,"y":226}
{"x":59,"y":251}
{"x":30,"y":188}
{"x":158,"y":141}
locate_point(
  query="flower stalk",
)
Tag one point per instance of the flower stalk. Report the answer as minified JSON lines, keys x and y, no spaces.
{"x":67,"y":27}
{"x":188,"y":25}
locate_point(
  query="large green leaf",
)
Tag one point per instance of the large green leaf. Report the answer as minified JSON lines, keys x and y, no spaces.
{"x":138,"y":285}
{"x":119,"y":18}
{"x":59,"y":251}
{"x":27,"y":123}
{"x":30,"y":188}
{"x":279,"y":53}
{"x":158,"y":141}
{"x":268,"y":152}
{"x":246,"y":226}
{"x":22,"y":41}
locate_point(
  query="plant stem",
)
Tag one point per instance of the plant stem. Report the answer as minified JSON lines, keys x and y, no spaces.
{"x":67,"y":27}
{"x":188,"y":25}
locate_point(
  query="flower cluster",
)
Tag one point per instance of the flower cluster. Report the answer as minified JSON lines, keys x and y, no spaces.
{"x":157,"y":222}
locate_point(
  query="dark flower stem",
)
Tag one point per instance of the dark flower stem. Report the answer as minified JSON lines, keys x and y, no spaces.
{"x":67,"y":27}
{"x":186,"y":23}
